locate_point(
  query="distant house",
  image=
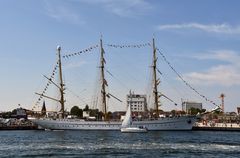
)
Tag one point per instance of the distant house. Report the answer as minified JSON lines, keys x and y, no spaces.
{"x":86,"y":114}
{"x":19,"y":113}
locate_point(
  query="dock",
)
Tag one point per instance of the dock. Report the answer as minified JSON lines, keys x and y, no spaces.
{"x":216,"y":127}
{"x":18,"y":127}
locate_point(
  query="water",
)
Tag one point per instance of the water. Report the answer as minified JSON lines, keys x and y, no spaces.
{"x":117,"y":144}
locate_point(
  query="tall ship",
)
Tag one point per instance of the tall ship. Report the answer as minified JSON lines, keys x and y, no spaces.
{"x":180,"y":122}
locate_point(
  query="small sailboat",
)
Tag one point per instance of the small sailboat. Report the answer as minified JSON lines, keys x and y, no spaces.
{"x":127,"y":126}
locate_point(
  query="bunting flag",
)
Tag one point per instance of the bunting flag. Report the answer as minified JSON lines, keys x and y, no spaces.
{"x":104,"y":60}
{"x":158,"y":81}
{"x":186,"y":83}
{"x":47,"y":85}
{"x":109,"y":73}
{"x":129,"y":46}
{"x":80,"y":52}
{"x":105,"y":82}
{"x":159,"y":72}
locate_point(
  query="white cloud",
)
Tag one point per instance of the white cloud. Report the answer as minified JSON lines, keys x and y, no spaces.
{"x":123,"y":8}
{"x":220,"y":75}
{"x":73,"y":65}
{"x":214,"y":28}
{"x":62,"y":13}
{"x":225,"y":75}
{"x":221,"y":55}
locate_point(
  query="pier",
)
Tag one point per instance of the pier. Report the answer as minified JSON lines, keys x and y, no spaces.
{"x":217,"y":127}
{"x":29,"y":127}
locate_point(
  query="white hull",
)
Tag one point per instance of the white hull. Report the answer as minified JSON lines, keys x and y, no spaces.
{"x":173,"y":123}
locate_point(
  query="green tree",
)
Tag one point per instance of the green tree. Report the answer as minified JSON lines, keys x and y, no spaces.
{"x":14,"y":112}
{"x":194,"y":111}
{"x":94,"y":112}
{"x":100,"y":115}
{"x":109,"y":115}
{"x":86,"y":108}
{"x":76,"y":111}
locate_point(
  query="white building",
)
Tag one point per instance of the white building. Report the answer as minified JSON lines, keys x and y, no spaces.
{"x":186,"y":106}
{"x":138,"y":102}
{"x":86,"y":114}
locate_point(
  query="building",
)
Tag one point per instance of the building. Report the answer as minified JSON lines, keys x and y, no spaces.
{"x":238,"y":110}
{"x":86,"y":114}
{"x":186,"y":106}
{"x":19,"y":113}
{"x":137,"y":102}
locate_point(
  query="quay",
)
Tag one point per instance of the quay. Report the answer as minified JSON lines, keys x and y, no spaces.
{"x":16,"y":124}
{"x":32,"y":127}
{"x":216,"y":127}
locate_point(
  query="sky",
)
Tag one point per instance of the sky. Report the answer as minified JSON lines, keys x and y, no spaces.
{"x":199,"y":38}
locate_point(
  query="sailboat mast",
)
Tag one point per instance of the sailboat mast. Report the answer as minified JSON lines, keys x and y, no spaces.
{"x":61,"y":81}
{"x":103,"y":91}
{"x":155,"y":81}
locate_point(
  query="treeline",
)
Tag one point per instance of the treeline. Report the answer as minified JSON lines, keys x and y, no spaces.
{"x":76,"y":111}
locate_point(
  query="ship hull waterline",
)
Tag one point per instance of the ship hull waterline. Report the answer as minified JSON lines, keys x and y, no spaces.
{"x":167,"y":123}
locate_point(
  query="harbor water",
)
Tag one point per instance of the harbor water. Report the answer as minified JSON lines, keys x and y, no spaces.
{"x":37,"y":143}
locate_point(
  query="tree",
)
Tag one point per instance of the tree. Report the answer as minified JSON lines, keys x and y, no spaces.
{"x":14,"y":112}
{"x":76,"y":111}
{"x":194,"y":111}
{"x":94,"y":112}
{"x":109,"y":115}
{"x":86,"y":108}
{"x":100,"y":115}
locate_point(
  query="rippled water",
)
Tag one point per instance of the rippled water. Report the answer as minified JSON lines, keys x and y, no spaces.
{"x":117,"y":144}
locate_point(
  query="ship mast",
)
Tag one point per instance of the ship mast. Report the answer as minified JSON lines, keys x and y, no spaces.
{"x":61,"y":89}
{"x":103,"y":91}
{"x":155,"y":80}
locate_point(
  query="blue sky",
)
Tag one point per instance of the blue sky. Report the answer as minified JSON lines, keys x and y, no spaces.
{"x":199,"y":38}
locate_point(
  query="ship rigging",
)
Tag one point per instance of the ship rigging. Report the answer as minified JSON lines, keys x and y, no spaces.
{"x":178,"y":123}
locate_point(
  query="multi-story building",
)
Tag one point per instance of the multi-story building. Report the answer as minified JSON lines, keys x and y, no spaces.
{"x":187,"y":105}
{"x":137,"y":102}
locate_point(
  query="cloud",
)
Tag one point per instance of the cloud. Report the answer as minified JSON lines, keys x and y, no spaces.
{"x":62,"y":13}
{"x":225,"y":75}
{"x":123,"y":8}
{"x":213,"y":28}
{"x":220,"y":75}
{"x":75,"y":65}
{"x":221,"y":55}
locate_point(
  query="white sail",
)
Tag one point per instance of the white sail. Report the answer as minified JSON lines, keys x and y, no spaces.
{"x":127,"y":122}
{"x":128,"y":118}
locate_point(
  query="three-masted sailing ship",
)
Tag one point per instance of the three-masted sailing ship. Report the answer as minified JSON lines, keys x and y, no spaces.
{"x":184,"y":122}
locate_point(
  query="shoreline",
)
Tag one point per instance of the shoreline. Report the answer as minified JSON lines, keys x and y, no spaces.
{"x":19,"y":128}
{"x":195,"y":128}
